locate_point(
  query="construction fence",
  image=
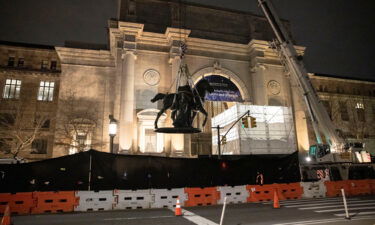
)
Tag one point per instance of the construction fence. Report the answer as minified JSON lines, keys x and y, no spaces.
{"x":82,"y":201}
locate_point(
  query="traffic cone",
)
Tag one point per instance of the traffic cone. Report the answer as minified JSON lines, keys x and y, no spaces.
{"x":178,"y":211}
{"x":6,"y":217}
{"x":276,"y":204}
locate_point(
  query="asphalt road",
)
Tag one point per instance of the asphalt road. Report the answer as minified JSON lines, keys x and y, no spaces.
{"x":292,"y":212}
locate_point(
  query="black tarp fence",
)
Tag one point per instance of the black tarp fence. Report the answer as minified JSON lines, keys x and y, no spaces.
{"x":111,"y":171}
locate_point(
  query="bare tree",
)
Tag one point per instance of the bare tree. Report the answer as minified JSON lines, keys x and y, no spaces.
{"x":76,"y":123}
{"x":19,"y":127}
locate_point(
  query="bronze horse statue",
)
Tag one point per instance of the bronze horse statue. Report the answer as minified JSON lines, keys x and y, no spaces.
{"x":184,"y":104}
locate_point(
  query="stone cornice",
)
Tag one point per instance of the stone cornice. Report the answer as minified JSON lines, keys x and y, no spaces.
{"x":313,"y":76}
{"x":129,"y":28}
{"x":256,"y":50}
{"x":100,"y":58}
{"x":176,"y":34}
{"x":25,"y":71}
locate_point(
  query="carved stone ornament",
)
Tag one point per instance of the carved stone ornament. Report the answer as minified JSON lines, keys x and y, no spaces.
{"x":274,"y":87}
{"x":151,"y":77}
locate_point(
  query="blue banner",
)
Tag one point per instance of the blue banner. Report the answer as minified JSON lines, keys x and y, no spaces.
{"x":224,"y":89}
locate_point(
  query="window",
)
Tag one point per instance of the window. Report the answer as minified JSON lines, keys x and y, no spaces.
{"x":6,"y":119}
{"x":53,"y":65}
{"x":327,"y":106}
{"x":46,"y":124}
{"x":46,"y":91}
{"x":5,"y":146}
{"x":11,"y":60}
{"x":360,"y":111}
{"x":344,"y":111}
{"x":39,"y":146}
{"x":81,"y":142}
{"x":44,"y":65}
{"x":21,"y":62}
{"x":12,"y":89}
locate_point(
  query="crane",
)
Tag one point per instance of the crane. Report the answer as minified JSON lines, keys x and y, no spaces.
{"x":321,"y":122}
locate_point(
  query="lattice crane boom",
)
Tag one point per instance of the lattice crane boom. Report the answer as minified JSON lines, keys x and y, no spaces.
{"x":321,"y":121}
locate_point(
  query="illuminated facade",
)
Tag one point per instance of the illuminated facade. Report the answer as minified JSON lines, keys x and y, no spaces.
{"x":142,"y":60}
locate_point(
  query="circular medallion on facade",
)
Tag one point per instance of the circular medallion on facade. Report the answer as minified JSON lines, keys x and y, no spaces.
{"x":151,"y":77}
{"x":274,"y":87}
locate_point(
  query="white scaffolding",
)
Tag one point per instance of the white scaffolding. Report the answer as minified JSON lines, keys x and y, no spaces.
{"x":274,"y":133}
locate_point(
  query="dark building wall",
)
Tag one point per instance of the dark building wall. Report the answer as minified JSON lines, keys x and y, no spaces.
{"x":205,"y":22}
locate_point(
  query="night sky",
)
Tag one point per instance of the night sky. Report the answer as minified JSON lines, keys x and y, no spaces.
{"x":339,"y":34}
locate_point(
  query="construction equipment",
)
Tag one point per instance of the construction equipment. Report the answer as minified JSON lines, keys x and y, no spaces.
{"x":335,"y":149}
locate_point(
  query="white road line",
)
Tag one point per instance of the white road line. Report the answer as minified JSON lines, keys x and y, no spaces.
{"x":136,"y":218}
{"x":294,"y":205}
{"x":325,"y":221}
{"x":195,"y":218}
{"x":312,"y":201}
{"x":331,"y":206}
{"x":312,"y":221}
{"x":356,"y":214}
{"x":336,"y":210}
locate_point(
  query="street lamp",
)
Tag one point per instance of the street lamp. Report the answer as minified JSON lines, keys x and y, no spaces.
{"x":112,"y":130}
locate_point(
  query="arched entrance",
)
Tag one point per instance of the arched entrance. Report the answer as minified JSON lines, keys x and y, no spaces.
{"x":226,"y":94}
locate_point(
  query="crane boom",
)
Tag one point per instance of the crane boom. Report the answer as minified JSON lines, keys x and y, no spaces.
{"x":319,"y":116}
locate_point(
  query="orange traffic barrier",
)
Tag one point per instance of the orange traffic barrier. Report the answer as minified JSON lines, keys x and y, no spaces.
{"x":359,"y":187}
{"x":202,"y":196}
{"x":52,"y":202}
{"x":20,"y":203}
{"x":6,"y":220}
{"x":276,"y":204}
{"x":334,"y":188}
{"x":178,"y":211}
{"x":260,"y":193}
{"x":372,"y":185}
{"x":289,"y":191}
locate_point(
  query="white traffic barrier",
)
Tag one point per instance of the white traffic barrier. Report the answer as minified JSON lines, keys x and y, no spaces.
{"x":166,"y":198}
{"x":235,"y":194}
{"x":314,"y":189}
{"x":128,"y":199}
{"x":94,"y":200}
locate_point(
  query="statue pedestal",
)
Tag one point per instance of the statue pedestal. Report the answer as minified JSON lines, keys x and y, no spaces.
{"x":178,"y":130}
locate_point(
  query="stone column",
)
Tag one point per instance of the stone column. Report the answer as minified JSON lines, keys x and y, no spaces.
{"x":127,"y":101}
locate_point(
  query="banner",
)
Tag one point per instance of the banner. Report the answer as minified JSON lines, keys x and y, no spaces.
{"x":224,"y":89}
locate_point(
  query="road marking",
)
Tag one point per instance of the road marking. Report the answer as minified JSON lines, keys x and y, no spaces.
{"x":136,"y":218}
{"x":331,"y":206}
{"x":356,"y":214}
{"x":324,"y":221}
{"x":325,"y":203}
{"x":297,"y":202}
{"x":336,"y":210}
{"x":195,"y":218}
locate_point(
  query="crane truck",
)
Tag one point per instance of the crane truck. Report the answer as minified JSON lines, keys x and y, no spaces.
{"x":332,"y":150}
